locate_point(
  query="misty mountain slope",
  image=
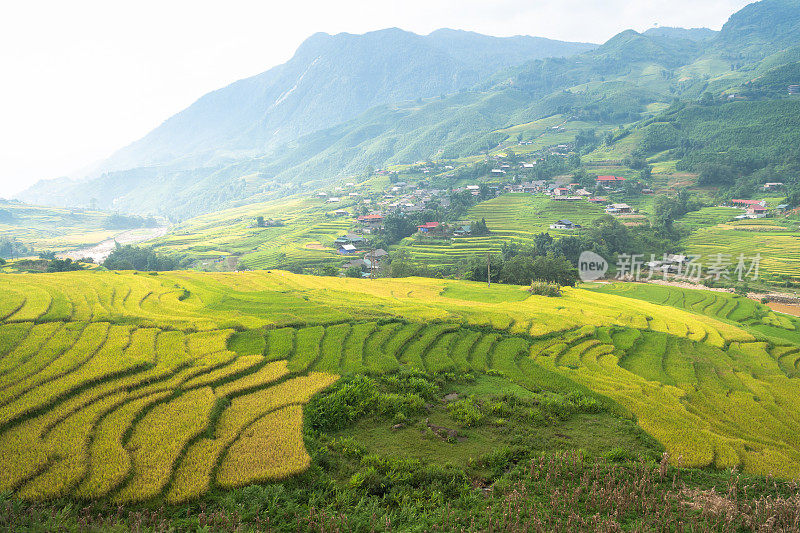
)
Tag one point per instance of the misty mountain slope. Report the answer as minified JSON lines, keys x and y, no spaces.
{"x":233,"y":143}
{"x":330,"y":79}
{"x":692,"y":34}
{"x":761,"y":28}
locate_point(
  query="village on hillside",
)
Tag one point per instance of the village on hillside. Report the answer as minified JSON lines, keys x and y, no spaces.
{"x":421,"y":189}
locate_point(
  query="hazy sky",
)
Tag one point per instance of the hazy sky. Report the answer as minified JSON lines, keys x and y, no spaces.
{"x":83,"y":78}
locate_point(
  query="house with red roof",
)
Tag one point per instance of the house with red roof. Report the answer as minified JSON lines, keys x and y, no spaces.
{"x":748,"y":203}
{"x":429,"y":227}
{"x":610,"y":182}
{"x":372,"y":220}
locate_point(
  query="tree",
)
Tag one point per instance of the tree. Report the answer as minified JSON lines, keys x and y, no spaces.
{"x":260,"y":221}
{"x":397,"y":227}
{"x":519,"y":270}
{"x":330,"y":270}
{"x":63,"y":265}
{"x":479,"y":228}
{"x":353,"y":272}
{"x":554,"y":269}
{"x":716,"y":173}
{"x":541,"y":242}
{"x":130,"y":257}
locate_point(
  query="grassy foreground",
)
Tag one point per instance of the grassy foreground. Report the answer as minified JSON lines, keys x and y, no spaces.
{"x":143,"y":387}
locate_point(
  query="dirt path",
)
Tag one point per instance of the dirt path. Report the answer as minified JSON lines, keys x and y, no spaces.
{"x":100,"y":251}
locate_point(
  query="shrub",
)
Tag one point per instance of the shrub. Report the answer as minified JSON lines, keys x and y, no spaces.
{"x":346,"y":402}
{"x":466,"y":412}
{"x":543,"y":288}
{"x":741,"y":289}
{"x":616,"y":454}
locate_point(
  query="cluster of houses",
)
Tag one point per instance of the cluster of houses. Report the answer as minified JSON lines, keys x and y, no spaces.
{"x":529,"y":187}
{"x":507,"y":167}
{"x":406,"y":199}
{"x":370,"y":264}
{"x":757,"y":208}
{"x":438,"y":229}
{"x":753,"y":208}
{"x":369,"y":261}
{"x":610,"y":183}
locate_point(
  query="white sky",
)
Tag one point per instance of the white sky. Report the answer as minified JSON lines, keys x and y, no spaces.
{"x":83,"y":78}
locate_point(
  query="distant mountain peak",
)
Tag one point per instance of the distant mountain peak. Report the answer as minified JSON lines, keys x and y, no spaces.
{"x":763,"y":27}
{"x":691,"y":34}
{"x":329,"y":80}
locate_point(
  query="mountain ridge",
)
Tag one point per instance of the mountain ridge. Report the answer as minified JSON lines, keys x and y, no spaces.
{"x":609,"y":84}
{"x":330,"y":79}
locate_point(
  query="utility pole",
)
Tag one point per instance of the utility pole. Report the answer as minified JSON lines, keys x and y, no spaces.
{"x":489,"y":269}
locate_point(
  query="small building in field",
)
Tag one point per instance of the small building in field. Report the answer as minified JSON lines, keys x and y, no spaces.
{"x":429,"y":227}
{"x":372,"y":220}
{"x":564,"y":224}
{"x":619,"y":209}
{"x":376,"y":256}
{"x":756,"y":211}
{"x":333,"y":200}
{"x":598,"y":200}
{"x":358,"y":263}
{"x":748,"y":203}
{"x":610,"y":182}
{"x":462,"y":231}
{"x":351,"y":239}
{"x":561,"y":191}
{"x":347,"y":249}
{"x":773,"y":185}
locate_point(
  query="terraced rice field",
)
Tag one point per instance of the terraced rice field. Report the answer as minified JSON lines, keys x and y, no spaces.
{"x":133,"y":387}
{"x":708,"y":216}
{"x":53,"y":228}
{"x":305,"y":239}
{"x":510,"y":218}
{"x":777,"y":240}
{"x":547,"y":132}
